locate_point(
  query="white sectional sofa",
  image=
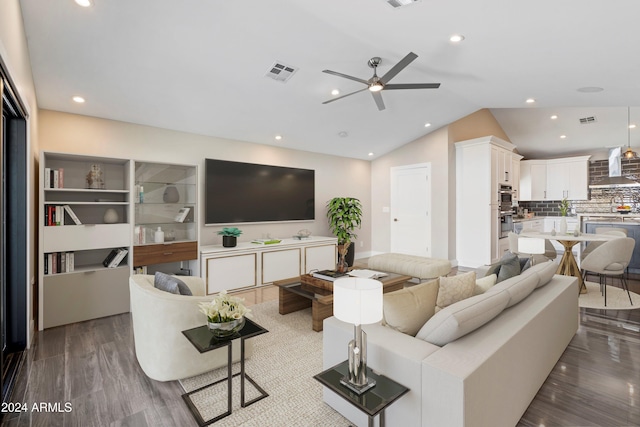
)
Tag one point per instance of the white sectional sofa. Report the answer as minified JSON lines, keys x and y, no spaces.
{"x":487,"y":377}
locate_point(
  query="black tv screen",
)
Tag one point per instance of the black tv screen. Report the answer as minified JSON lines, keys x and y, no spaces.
{"x":246,"y":192}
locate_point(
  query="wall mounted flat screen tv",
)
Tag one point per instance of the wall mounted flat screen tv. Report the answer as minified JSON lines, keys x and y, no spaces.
{"x":237,"y":192}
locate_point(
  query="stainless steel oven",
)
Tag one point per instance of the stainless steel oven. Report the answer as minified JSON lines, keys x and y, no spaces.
{"x":505,"y":197}
{"x":506,"y":224}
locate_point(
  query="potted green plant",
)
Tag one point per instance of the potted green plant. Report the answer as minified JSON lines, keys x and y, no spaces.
{"x":344,"y":215}
{"x":230,"y":236}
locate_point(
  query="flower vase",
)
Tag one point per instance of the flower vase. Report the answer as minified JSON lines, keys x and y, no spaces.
{"x":225,"y":329}
{"x":563,"y":225}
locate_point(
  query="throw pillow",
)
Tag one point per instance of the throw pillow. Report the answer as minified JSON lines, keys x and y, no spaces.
{"x":510,"y":266}
{"x":525,"y":264}
{"x":171,"y":284}
{"x":408,"y":309}
{"x":455,"y":288}
{"x":484,"y":284}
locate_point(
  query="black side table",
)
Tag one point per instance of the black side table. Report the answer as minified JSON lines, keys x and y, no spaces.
{"x":372,"y":402}
{"x":204,"y":340}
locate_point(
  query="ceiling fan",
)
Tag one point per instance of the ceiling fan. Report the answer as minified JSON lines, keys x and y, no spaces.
{"x":376,"y":84}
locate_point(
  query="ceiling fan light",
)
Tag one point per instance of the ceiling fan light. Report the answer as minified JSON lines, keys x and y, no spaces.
{"x":376,"y":87}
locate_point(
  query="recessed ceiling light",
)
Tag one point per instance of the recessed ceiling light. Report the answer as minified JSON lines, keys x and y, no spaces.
{"x":371,"y":154}
{"x":78,"y":99}
{"x":530,"y":101}
{"x":278,"y":137}
{"x":554,"y":117}
{"x":563,"y":136}
{"x":427,"y":125}
{"x":456,"y":38}
{"x":84,"y":3}
{"x":590,"y":89}
{"x":335,"y":92}
{"x":343,"y":134}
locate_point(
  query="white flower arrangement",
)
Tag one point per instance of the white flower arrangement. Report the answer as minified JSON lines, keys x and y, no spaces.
{"x":224,"y":308}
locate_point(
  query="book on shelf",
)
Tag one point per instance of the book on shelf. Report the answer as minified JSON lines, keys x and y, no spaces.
{"x":59,"y":262}
{"x":122,"y":252}
{"x":330,"y":275}
{"x":53,"y":178}
{"x":182,"y":215}
{"x":72,"y":214}
{"x":110,"y":257}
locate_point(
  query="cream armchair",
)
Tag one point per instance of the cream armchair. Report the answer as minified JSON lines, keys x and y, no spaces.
{"x":159,"y":318}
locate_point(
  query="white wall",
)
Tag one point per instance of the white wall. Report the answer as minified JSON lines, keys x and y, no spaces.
{"x":15,"y":54}
{"x":430,"y":148}
{"x":335,"y":176}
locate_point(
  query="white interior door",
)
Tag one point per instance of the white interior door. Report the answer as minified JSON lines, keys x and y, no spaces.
{"x":410,"y":209}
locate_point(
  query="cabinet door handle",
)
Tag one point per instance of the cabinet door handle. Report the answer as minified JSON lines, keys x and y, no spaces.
{"x":167,"y":253}
{"x":506,"y":176}
{"x":545,"y":194}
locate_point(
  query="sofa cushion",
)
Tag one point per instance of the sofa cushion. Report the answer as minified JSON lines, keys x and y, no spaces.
{"x":483,"y":284}
{"x":518,"y":287}
{"x":546,"y":272}
{"x":463,"y":317}
{"x":408,"y":309}
{"x":455,"y":288}
{"x":172,"y":284}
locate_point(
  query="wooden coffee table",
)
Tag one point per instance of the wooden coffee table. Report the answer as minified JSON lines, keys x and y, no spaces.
{"x":308,"y":291}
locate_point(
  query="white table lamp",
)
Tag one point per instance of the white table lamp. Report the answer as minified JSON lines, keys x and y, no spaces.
{"x":357,"y":301}
{"x":531,"y":246}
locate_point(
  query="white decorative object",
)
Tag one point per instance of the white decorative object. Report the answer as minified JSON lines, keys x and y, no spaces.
{"x":563,"y":225}
{"x":95,"y":177}
{"x":110,"y":216}
{"x":159,"y":237}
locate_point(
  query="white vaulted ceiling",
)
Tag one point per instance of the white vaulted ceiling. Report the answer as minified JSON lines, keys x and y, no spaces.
{"x":199,"y":66}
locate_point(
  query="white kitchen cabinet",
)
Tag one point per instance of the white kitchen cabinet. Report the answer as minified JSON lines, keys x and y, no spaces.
{"x":478,"y":173}
{"x":554,"y":179}
{"x":515,"y":172}
{"x":533,"y":180}
{"x":249,"y":265}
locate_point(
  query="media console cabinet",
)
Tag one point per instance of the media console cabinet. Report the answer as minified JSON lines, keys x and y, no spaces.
{"x":250,"y":265}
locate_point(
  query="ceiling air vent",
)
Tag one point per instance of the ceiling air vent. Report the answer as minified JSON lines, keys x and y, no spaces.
{"x":281,"y":72}
{"x":587,"y":120}
{"x":400,"y":3}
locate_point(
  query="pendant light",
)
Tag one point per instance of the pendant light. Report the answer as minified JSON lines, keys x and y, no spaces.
{"x":629,"y":154}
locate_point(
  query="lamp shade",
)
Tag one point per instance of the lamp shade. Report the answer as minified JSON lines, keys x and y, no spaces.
{"x":531,"y":245}
{"x":357,"y":301}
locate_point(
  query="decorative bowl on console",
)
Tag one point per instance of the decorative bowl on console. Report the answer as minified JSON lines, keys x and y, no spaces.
{"x":624,"y":209}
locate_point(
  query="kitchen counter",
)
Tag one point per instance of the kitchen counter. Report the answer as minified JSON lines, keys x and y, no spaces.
{"x":536,"y":218}
{"x":608,"y":218}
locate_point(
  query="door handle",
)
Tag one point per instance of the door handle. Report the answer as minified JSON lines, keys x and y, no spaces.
{"x":395,"y":219}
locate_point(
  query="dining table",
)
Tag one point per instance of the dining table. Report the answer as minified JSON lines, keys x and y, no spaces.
{"x":568,"y":265}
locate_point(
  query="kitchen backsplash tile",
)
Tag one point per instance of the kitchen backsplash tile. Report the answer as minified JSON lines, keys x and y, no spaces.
{"x":601,"y":199}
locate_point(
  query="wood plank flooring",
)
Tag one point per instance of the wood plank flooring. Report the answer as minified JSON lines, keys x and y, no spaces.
{"x":93,"y":366}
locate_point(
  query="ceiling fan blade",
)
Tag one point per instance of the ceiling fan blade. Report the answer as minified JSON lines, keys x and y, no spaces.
{"x":412,"y":86}
{"x":398,"y":67}
{"x":346,"y":76}
{"x":377,"y":96}
{"x":344,"y":96}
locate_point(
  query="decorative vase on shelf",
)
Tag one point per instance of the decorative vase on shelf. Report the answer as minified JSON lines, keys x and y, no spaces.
{"x":563,"y":225}
{"x":110,"y":216}
{"x":225,"y":329}
{"x":171,"y":194}
{"x":229,"y":241}
{"x":342,"y":266}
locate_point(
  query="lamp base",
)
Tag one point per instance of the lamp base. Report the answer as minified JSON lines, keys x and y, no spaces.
{"x":358,"y":389}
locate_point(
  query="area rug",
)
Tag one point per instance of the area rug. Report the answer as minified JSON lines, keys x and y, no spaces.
{"x":283,"y":363}
{"x":617,"y":298}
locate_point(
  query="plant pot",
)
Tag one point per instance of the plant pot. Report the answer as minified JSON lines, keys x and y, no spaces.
{"x":351,"y":253}
{"x":225,"y":329}
{"x":229,"y":241}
